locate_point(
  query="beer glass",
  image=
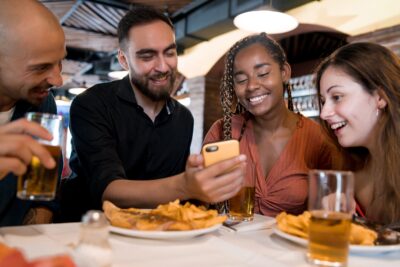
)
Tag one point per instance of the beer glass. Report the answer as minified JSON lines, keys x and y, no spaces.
{"x":39,"y":183}
{"x":241,"y":206}
{"x":331,"y":204}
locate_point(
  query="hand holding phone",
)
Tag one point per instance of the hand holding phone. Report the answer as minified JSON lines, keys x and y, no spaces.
{"x":226,"y":159}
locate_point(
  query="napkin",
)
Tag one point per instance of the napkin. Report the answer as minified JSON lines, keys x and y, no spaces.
{"x":258,"y":223}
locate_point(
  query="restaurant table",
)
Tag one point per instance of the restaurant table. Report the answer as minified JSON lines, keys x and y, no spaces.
{"x":223,"y":247}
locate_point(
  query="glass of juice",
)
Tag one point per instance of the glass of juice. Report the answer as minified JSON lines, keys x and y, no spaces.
{"x":331,"y":204}
{"x":39,"y":183}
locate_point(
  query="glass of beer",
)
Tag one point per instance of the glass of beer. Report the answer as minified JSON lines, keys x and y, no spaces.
{"x":331,"y":204}
{"x":39,"y":183}
{"x":241,"y":206}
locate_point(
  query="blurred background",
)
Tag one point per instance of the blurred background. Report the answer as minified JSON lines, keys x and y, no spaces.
{"x":205,"y":29}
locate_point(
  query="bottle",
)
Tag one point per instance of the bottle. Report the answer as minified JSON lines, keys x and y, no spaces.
{"x":94,"y":249}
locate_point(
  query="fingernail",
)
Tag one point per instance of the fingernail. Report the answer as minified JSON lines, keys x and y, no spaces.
{"x":242,"y":157}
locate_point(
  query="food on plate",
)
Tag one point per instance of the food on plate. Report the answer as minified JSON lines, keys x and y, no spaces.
{"x":168,"y":217}
{"x":298,"y":226}
{"x":360,"y":235}
{"x":13,"y":257}
{"x":294,"y":225}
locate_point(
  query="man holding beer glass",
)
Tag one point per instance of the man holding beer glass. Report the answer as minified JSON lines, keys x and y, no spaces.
{"x":31,"y":50}
{"x":17,"y":148}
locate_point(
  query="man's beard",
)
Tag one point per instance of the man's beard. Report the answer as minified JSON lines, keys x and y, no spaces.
{"x":161,"y":93}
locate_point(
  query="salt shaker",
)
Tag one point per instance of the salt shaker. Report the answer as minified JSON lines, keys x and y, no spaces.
{"x":94,"y":248}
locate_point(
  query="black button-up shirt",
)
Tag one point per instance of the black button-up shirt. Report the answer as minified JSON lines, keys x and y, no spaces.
{"x":112,"y":138}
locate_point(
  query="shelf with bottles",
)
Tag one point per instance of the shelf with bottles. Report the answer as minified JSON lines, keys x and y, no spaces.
{"x":304,"y":95}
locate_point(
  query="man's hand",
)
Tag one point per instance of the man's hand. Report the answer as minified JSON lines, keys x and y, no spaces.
{"x":17,"y":147}
{"x":215,"y":183}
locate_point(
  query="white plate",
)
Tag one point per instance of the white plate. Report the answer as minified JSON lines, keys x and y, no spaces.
{"x":356,"y":249}
{"x":170,"y":235}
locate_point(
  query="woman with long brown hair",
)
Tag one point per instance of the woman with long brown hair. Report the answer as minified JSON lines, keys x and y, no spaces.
{"x":281,"y":144}
{"x":359,"y":88}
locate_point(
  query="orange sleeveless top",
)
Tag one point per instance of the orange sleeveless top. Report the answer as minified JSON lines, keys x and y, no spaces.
{"x":285,"y":187}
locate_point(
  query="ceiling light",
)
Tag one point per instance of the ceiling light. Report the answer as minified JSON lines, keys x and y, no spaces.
{"x":117,"y":75}
{"x":76,"y":90}
{"x":265,"y":21}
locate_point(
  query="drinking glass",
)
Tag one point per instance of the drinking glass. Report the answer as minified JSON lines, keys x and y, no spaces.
{"x":331,"y":204}
{"x":40,"y":183}
{"x":241,"y":206}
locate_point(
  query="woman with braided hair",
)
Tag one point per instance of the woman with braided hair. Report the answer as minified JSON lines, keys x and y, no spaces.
{"x":281,"y":144}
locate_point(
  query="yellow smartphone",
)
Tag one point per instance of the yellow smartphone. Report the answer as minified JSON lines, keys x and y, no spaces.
{"x":218,"y":151}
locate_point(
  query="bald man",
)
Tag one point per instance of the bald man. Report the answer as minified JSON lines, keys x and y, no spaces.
{"x":32,"y":45}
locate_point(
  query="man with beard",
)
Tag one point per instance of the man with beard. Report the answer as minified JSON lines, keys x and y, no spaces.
{"x":131,"y":140}
{"x":31,"y":49}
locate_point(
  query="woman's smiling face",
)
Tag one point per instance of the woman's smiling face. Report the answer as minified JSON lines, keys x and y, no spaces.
{"x":350,"y":111}
{"x":258,"y":79}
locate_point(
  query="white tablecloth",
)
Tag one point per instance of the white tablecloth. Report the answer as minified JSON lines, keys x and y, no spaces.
{"x":224,"y":247}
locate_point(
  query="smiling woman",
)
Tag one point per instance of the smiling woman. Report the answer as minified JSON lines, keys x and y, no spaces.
{"x":359,"y":88}
{"x":283,"y":145}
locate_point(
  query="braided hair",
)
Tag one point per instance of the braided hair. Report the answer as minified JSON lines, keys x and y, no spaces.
{"x":229,"y":102}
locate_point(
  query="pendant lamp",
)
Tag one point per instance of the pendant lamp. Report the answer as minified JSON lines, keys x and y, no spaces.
{"x":266,"y":20}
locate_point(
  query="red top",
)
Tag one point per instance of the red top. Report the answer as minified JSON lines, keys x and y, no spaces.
{"x":359,"y":210}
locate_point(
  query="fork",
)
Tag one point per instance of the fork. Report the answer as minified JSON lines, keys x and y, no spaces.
{"x":230,"y":224}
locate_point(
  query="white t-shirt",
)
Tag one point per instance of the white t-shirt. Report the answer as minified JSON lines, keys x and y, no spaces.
{"x":5,"y":116}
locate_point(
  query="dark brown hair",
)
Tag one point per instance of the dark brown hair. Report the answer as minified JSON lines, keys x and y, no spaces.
{"x":139,"y":15}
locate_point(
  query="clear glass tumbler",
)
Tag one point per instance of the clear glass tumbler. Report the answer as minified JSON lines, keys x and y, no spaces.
{"x":39,"y":183}
{"x":331,"y":204}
